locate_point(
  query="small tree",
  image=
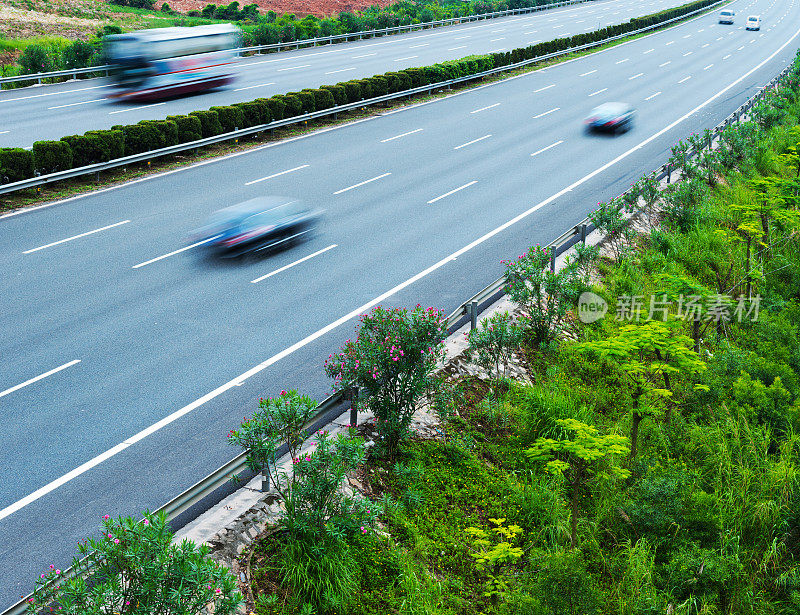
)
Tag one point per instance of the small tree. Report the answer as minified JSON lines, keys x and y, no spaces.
{"x":582,"y":460}
{"x":647,"y":354}
{"x":391,"y":362}
{"x":544,"y":296}
{"x":494,"y":341}
{"x":493,"y":554}
{"x":610,"y":220}
{"x":134,"y":568}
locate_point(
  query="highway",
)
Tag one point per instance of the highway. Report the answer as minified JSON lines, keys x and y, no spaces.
{"x":129,"y":353}
{"x":54,"y":111}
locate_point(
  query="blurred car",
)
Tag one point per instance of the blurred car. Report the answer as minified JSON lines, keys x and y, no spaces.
{"x":753,"y":23}
{"x":615,"y":117}
{"x":726,"y":16}
{"x":259,"y":224}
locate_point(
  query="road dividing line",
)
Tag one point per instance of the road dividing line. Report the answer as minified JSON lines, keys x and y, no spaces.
{"x":726,"y":57}
{"x":621,"y":61}
{"x":494,"y":40}
{"x":85,"y":102}
{"x":280,"y":70}
{"x":635,"y":76}
{"x":255,"y":181}
{"x":670,"y":43}
{"x":653,"y":96}
{"x":4,"y":132}
{"x":665,"y":63}
{"x":485,"y":108}
{"x":544,"y":149}
{"x":553,"y":110}
{"x":250,"y":87}
{"x":96,"y":87}
{"x":341,"y":70}
{"x":454,"y":48}
{"x":598,"y":92}
{"x":60,"y":241}
{"x":688,"y":53}
{"x":439,"y":198}
{"x":648,"y":51}
{"x":589,"y":73}
{"x":362,"y":183}
{"x":136,"y":108}
{"x":420,"y":45}
{"x":366,"y":55}
{"x":704,"y":46}
{"x":547,"y":87}
{"x":36,"y":379}
{"x":471,"y":142}
{"x":707,"y":67}
{"x":405,"y":134}
{"x":685,"y":79}
{"x":290,"y":265}
{"x":458,"y":38}
{"x":174,"y":252}
{"x":406,"y":58}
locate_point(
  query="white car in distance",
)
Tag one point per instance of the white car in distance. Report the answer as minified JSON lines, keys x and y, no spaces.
{"x":753,"y":23}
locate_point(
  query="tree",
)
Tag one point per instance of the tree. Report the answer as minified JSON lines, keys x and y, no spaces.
{"x":610,"y":220}
{"x":647,"y":354}
{"x":133,"y":568}
{"x":585,"y":458}
{"x":391,"y":362}
{"x":494,"y":340}
{"x":544,"y":296}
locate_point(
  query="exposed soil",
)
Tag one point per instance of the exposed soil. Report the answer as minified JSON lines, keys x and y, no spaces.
{"x":301,"y":8}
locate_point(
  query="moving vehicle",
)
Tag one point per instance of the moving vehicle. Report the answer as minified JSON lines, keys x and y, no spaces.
{"x":259,"y":224}
{"x":753,"y":23}
{"x":162,"y":62}
{"x":726,"y":16}
{"x":614,"y":117}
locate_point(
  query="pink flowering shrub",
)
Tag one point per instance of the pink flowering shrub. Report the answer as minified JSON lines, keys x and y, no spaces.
{"x":391,"y":362}
{"x":134,"y":568}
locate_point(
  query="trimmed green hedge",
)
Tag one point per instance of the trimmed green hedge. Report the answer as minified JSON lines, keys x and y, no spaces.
{"x":102,"y":145}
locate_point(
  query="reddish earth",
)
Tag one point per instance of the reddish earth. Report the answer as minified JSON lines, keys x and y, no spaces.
{"x":320,"y":8}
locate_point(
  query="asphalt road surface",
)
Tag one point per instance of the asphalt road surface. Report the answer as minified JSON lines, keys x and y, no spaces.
{"x":129,"y":353}
{"x":54,"y":111}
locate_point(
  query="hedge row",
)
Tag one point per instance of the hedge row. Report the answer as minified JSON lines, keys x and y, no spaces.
{"x":102,"y":145}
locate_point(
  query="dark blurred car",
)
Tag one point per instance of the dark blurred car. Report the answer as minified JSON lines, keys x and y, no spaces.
{"x":259,"y":224}
{"x":615,"y":117}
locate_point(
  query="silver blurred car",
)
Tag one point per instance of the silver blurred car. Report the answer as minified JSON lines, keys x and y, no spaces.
{"x":614,"y":117}
{"x":262,"y":223}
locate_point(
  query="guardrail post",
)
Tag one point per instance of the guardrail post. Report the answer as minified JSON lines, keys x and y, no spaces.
{"x":552,"y":259}
{"x":669,"y":172}
{"x":472,"y":308}
{"x":583,"y":233}
{"x":265,"y":481}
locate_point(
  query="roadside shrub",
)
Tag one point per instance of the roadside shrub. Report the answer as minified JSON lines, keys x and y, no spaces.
{"x":135,"y":563}
{"x":367,"y":91}
{"x":380,"y":86}
{"x":306,"y":100}
{"x":112,"y":143}
{"x":16,"y":163}
{"x":493,"y":341}
{"x":392,"y":82}
{"x":323,"y":99}
{"x":264,"y":111}
{"x":36,"y":59}
{"x":86,"y":149}
{"x":141,"y":137}
{"x":210,"y":125}
{"x":338,"y":92}
{"x":230,"y":117}
{"x":251,"y":114}
{"x":51,"y":156}
{"x":352,"y":90}
{"x":277,"y":107}
{"x":189,"y":127}
{"x":293,"y":105}
{"x":79,"y":54}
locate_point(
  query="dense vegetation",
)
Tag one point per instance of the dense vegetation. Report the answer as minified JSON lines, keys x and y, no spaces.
{"x":651,"y":463}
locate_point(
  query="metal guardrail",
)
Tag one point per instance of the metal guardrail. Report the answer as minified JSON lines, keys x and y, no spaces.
{"x":313,"y":42}
{"x":236,"y":134}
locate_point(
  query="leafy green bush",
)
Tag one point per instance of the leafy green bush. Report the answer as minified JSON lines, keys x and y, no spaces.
{"x":494,"y":341}
{"x":210,"y":125}
{"x":339,"y":94}
{"x":16,"y":164}
{"x":133,"y":563}
{"x":277,"y":107}
{"x":52,"y":156}
{"x":230,"y":117}
{"x":189,"y":127}
{"x":306,"y":100}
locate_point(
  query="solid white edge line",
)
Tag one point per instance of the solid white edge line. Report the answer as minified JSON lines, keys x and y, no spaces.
{"x":60,"y":241}
{"x":255,"y":181}
{"x":173,"y":253}
{"x":544,"y":149}
{"x":471,"y":142}
{"x":290,"y":265}
{"x":439,"y":198}
{"x":361,"y":183}
{"x":405,"y":134}
{"x":37,"y":378}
